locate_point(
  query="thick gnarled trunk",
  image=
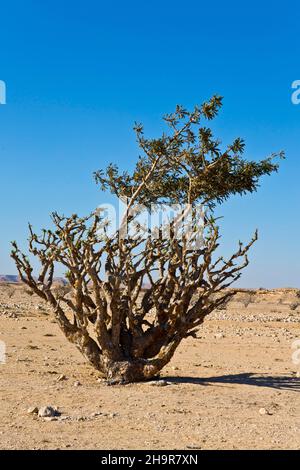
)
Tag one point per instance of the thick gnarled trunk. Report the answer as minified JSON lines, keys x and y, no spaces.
{"x":128,"y":371}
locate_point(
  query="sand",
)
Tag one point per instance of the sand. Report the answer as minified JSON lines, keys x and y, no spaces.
{"x":236,"y":387}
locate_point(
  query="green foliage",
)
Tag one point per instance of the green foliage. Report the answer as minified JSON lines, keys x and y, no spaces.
{"x":187,"y":165}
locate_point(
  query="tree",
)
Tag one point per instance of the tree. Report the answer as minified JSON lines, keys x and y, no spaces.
{"x":127,"y":331}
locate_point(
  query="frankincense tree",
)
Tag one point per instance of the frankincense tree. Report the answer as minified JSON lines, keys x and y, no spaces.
{"x":127,"y":331}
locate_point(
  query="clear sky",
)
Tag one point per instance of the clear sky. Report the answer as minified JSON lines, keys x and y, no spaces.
{"x":78,"y":74}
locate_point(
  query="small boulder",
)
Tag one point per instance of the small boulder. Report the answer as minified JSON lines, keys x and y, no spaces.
{"x":33,"y":410}
{"x":160,"y":383}
{"x":264,"y":411}
{"x":48,"y":412}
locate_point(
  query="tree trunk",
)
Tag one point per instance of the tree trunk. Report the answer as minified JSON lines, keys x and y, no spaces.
{"x":137,"y":370}
{"x":128,"y":371}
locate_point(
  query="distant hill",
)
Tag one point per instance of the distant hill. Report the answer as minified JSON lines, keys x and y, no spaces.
{"x":15,"y":279}
{"x":9,"y":278}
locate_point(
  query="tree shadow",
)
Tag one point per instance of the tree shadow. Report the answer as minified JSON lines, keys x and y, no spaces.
{"x":247,"y":378}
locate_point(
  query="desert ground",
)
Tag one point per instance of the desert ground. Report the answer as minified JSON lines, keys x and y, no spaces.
{"x":236,"y":387}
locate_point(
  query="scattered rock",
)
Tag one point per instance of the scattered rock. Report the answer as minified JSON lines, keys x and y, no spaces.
{"x":33,"y":410}
{"x":61,"y":377}
{"x":95,"y":414}
{"x":48,"y":412}
{"x":64,"y":418}
{"x":264,"y":411}
{"x":219,"y":335}
{"x":81,"y":418}
{"x":159,"y":383}
{"x":77,"y":383}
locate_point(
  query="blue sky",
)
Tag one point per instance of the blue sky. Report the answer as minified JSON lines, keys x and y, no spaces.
{"x":78,"y":74}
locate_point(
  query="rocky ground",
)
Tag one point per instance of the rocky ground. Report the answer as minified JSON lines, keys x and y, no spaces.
{"x":236,"y":387}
